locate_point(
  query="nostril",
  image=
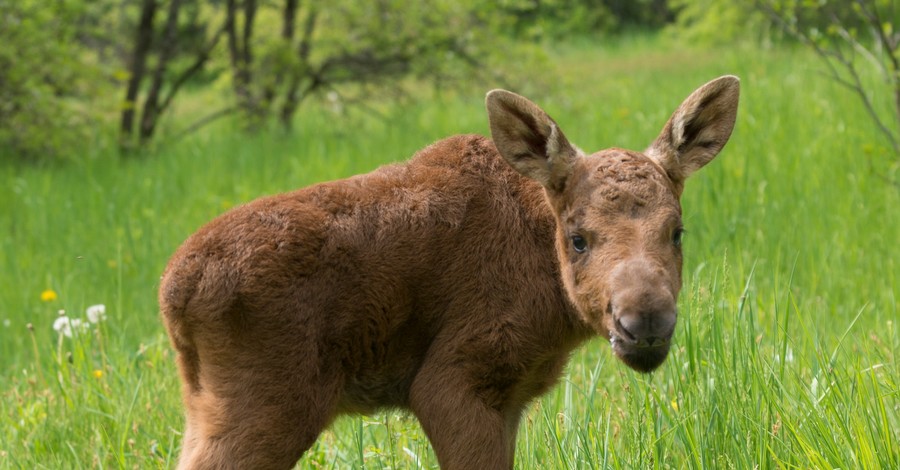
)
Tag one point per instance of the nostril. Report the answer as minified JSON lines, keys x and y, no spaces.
{"x":646,"y":327}
{"x":624,"y":331}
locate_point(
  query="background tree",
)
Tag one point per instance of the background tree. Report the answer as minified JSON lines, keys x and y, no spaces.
{"x":46,"y":78}
{"x":565,"y":18}
{"x":718,"y":21}
{"x":849,"y":37}
{"x":856,"y":40}
{"x":282,"y":53}
{"x":178,"y":37}
{"x":68,"y":68}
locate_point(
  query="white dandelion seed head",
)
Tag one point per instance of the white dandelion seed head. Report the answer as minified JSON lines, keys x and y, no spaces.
{"x":6,"y":323}
{"x":63,"y":326}
{"x":70,"y":326}
{"x":96,"y":313}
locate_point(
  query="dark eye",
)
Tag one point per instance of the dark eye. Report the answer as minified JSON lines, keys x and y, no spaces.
{"x":579,"y":243}
{"x":677,"y":235}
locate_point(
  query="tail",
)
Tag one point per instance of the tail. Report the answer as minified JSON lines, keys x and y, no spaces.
{"x":177,"y":291}
{"x":195,"y":291}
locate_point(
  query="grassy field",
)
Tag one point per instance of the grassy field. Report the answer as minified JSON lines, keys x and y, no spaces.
{"x":786,"y":349}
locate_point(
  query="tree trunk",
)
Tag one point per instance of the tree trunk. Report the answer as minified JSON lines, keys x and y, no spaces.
{"x":293,"y":97}
{"x":241,"y":54}
{"x":287,"y":35}
{"x":137,"y":68}
{"x":152,"y":107}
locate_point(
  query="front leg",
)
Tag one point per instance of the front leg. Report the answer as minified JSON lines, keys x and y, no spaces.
{"x":465,"y":432}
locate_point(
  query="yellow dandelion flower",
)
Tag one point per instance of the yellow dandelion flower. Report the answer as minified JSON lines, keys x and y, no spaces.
{"x":48,"y":295}
{"x":97,"y":373}
{"x":674,"y":405}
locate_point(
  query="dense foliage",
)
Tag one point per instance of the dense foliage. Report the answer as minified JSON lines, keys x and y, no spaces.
{"x":69,"y":69}
{"x":48,"y":78}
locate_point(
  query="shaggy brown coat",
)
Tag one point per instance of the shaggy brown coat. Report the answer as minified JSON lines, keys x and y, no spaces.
{"x":455,"y":285}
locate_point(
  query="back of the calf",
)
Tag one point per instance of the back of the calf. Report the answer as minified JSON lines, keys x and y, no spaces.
{"x":455,"y":286}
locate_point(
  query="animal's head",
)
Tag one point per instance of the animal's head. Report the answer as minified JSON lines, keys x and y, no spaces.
{"x":618,"y":212}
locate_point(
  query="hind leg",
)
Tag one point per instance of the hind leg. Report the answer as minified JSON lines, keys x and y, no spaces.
{"x":254,"y":400}
{"x":258,"y":426}
{"x":244,"y":445}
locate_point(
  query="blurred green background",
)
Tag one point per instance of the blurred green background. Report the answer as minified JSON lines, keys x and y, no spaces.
{"x":126,"y":125}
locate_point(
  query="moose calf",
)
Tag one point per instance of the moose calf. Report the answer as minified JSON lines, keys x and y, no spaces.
{"x":454,"y":285}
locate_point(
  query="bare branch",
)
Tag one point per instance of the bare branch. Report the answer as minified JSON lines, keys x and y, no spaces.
{"x":890,"y":45}
{"x":874,"y":18}
{"x":202,"y":58}
{"x":870,"y":108}
{"x":857,"y":45}
{"x":204,"y":121}
{"x":831,"y":57}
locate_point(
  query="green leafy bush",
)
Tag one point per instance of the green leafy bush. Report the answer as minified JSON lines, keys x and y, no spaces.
{"x":47,"y":79}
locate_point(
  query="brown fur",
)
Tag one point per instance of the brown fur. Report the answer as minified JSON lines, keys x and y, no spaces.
{"x":449,"y":285}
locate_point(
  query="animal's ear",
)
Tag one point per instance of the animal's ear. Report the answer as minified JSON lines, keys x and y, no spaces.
{"x":529,"y":139}
{"x":698,"y":129}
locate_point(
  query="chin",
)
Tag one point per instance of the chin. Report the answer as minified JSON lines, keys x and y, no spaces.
{"x":640,"y":358}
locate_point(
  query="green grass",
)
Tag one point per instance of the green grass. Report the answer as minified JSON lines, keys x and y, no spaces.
{"x":787,"y":345}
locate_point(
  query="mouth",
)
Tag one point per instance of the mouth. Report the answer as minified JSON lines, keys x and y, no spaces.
{"x":642,"y":356}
